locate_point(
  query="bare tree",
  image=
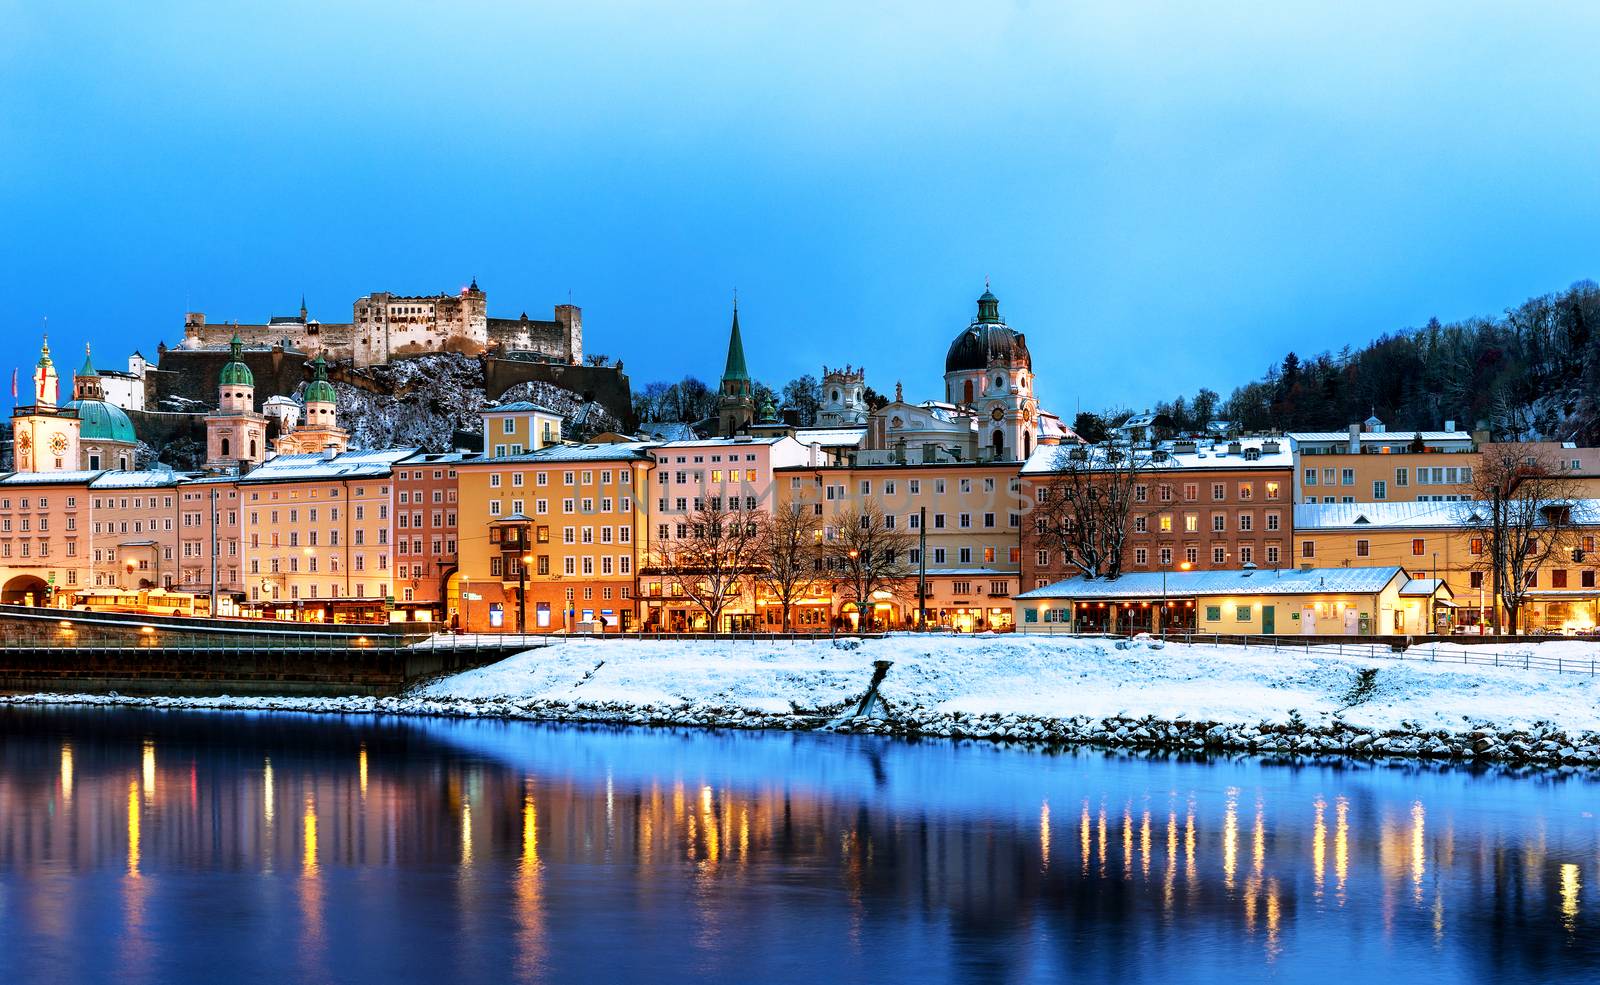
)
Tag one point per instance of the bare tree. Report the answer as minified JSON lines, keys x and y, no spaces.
{"x":1084,"y":504}
{"x":865,"y":557}
{"x":710,"y":562}
{"x":788,"y":562}
{"x":1520,"y":518}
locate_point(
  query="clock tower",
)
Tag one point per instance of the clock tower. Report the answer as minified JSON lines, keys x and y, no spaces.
{"x":45,"y":436}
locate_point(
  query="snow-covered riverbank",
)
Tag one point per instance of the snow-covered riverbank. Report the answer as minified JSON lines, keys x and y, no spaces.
{"x":1138,"y":693}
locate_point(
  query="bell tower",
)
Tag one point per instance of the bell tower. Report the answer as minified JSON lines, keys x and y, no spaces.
{"x":235,"y":435}
{"x":45,"y":436}
{"x":736,"y":405}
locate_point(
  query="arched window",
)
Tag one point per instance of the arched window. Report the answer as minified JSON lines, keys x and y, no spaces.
{"x":966,"y":392}
{"x":252,"y":448}
{"x":122,"y":463}
{"x":224,"y":447}
{"x":999,"y":382}
{"x":836,"y":396}
{"x":1027,"y":445}
{"x":999,"y":441}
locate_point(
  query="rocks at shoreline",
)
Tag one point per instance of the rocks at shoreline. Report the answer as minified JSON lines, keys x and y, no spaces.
{"x":1542,"y":744}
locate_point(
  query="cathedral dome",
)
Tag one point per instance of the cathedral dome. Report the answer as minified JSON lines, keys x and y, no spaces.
{"x":987,"y":341}
{"x":236,"y":373}
{"x":100,"y":421}
{"x":319,"y":390}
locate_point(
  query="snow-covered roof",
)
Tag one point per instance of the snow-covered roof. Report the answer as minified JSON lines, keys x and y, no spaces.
{"x":739,"y":441}
{"x":365,"y":464}
{"x":669,"y":430}
{"x":830,"y":437}
{"x":615,"y":451}
{"x":1425,"y":587}
{"x":520,"y":407}
{"x":1310,"y":517}
{"x":50,"y":478}
{"x":1380,"y":437}
{"x":1249,"y":581}
{"x":1170,"y":456}
{"x":440,"y":457}
{"x":142,"y":479}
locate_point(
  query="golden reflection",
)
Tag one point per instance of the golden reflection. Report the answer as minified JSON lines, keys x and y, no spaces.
{"x":744,"y":833}
{"x":1188,"y":846}
{"x":1418,"y":847}
{"x":133,"y":828}
{"x":308,"y":860}
{"x":1083,"y":838}
{"x":708,"y":824}
{"x":1044,"y":835}
{"x":1570,"y":888}
{"x":1274,"y":916}
{"x":1127,"y":843}
{"x":529,"y":901}
{"x":361,"y":765}
{"x":1144,"y":844}
{"x":266,"y":793}
{"x":66,"y":772}
{"x":1258,"y":849}
{"x":1100,"y":834}
{"x":1319,"y":847}
{"x":466,"y":833}
{"x":149,"y":759}
{"x":1172,"y":862}
{"x":1230,"y":836}
{"x":1341,"y":843}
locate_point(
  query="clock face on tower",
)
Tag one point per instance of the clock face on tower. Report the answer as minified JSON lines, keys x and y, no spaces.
{"x":997,"y":413}
{"x":24,"y":442}
{"x":58,"y":444}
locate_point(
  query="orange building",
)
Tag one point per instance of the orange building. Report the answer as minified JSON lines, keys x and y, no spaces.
{"x":1200,"y":505}
{"x":548,"y":538}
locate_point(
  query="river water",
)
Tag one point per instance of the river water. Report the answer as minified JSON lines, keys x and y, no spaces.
{"x":208,"y":846}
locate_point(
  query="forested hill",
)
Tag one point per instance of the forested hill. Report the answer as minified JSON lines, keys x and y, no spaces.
{"x":1533,"y":371}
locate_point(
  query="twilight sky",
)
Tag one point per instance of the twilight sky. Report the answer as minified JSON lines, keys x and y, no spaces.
{"x":1165,"y":195}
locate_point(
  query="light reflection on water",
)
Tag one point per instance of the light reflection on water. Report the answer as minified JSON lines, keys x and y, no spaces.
{"x":540,"y":853}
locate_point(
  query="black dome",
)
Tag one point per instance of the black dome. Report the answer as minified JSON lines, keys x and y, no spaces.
{"x":983,"y":344}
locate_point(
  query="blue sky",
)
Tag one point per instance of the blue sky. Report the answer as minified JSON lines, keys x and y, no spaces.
{"x":1165,"y":195}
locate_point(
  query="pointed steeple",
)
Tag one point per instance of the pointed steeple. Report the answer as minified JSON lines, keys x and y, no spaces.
{"x":734,"y":371}
{"x":302,"y":306}
{"x":88,"y":364}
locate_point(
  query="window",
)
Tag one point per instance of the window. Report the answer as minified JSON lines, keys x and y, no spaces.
{"x":1219,"y":522}
{"x":1272,"y":554}
{"x":1558,"y":578}
{"x":1475,"y":579}
{"x":1417,"y":546}
{"x":1213,"y":613}
{"x":1347,"y":477}
{"x":1310,"y":477}
{"x":1363,"y":548}
{"x":1166,"y":556}
{"x":1243,"y":612}
{"x":1402,"y":476}
{"x":1308,"y":548}
{"x":1141,"y":556}
{"x":1219,"y":555}
{"x":1380,"y":489}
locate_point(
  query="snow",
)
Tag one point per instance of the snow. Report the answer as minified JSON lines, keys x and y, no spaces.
{"x":1054,"y":677}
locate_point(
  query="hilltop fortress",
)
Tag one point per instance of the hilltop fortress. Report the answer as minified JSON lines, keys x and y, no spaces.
{"x":384,"y":327}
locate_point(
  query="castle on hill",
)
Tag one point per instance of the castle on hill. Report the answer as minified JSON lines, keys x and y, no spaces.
{"x":385,"y":326}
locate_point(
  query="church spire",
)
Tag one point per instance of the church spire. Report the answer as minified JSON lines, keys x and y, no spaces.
{"x":735,"y":371}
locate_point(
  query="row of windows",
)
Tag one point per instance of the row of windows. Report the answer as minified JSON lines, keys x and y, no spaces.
{"x":1164,"y":492}
{"x":569,"y":506}
{"x":605,"y":565}
{"x":1167,"y":523}
{"x":698,"y":459}
{"x":44,"y":503}
{"x":623,"y":477}
{"x":406,"y":496}
{"x":1427,"y":475}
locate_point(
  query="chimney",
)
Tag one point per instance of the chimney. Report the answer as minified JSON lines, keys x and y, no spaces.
{"x":329,"y":451}
{"x":1449,"y":425}
{"x":1355,"y":440}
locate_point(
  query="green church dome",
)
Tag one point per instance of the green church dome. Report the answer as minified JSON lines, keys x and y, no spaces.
{"x":236,"y":373}
{"x":319,"y":390}
{"x":100,"y":421}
